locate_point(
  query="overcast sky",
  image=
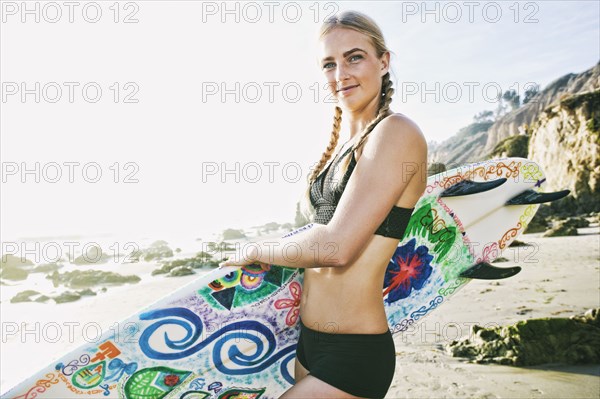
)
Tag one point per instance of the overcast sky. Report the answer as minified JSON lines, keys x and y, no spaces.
{"x":190,"y":89}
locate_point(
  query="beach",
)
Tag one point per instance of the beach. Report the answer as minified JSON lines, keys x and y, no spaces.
{"x":560,"y":278}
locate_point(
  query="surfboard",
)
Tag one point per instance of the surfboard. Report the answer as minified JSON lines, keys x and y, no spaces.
{"x":232,"y":333}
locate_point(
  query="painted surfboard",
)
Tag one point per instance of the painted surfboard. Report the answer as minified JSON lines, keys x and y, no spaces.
{"x":232,"y":333}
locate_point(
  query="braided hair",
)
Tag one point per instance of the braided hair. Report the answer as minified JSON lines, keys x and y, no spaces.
{"x":361,"y":23}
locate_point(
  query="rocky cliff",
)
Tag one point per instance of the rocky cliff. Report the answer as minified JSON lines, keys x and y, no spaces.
{"x":514,"y":122}
{"x":564,"y":140}
{"x":559,"y":129}
{"x":466,"y":146}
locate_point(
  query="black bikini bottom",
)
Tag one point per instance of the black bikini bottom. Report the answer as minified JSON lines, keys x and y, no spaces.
{"x":359,"y":364}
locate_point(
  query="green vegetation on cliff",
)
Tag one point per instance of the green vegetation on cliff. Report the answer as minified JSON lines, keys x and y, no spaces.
{"x":512,"y":146}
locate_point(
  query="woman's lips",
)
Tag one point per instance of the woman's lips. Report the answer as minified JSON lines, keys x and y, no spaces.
{"x":347,"y":89}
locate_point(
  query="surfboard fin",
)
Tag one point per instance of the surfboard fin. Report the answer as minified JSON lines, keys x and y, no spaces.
{"x":468,"y":187}
{"x":528,"y":197}
{"x":485,"y":271}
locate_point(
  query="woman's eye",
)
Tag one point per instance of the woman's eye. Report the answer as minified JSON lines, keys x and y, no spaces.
{"x":351,"y":58}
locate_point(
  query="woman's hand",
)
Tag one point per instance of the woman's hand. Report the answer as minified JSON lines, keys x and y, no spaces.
{"x":243,"y":259}
{"x":236,"y":261}
{"x":264,"y":266}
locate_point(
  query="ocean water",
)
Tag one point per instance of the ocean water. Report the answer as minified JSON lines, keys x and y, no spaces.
{"x":43,"y":332}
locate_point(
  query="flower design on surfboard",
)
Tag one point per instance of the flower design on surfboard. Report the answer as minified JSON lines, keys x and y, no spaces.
{"x":292,"y":303}
{"x":408,"y":269}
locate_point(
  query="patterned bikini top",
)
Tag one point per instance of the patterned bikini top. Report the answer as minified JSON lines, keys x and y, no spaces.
{"x":325,"y":195}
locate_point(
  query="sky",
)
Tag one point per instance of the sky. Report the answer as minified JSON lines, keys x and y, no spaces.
{"x":172,"y":118}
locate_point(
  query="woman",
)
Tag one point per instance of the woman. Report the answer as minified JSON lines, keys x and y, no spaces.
{"x":345,"y":348}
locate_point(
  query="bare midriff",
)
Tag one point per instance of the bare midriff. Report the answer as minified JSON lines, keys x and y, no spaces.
{"x":349,"y":299}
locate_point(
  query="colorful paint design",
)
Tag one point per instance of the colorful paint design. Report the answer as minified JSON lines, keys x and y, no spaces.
{"x":154,"y":383}
{"x":233,"y":335}
{"x":89,"y":376}
{"x":409,"y":269}
{"x":428,"y":222}
{"x":244,"y":286}
{"x":293,"y":303}
{"x":39,"y":387}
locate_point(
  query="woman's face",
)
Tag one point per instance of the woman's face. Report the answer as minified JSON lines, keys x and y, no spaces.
{"x":348,"y":60}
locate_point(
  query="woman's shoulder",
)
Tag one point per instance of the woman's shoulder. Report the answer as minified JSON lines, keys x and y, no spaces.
{"x":398,"y":126}
{"x":398,"y":119}
{"x":396,"y":131}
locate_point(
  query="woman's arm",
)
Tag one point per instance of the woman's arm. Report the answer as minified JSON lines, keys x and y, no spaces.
{"x":395,"y":152}
{"x":315,"y":246}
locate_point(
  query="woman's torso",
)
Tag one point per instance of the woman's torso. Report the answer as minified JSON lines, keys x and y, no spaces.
{"x":349,"y":299}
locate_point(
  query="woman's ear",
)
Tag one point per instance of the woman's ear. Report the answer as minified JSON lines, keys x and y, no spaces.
{"x":385,"y":63}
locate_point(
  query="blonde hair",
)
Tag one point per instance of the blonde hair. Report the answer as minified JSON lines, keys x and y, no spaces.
{"x":365,"y":25}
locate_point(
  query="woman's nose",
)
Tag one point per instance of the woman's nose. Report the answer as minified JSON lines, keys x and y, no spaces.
{"x":340,"y":73}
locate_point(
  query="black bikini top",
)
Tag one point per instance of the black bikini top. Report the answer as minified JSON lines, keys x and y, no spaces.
{"x":325,"y":195}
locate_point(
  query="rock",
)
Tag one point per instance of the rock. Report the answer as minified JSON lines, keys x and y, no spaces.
{"x":180,"y":271}
{"x":591,"y":316}
{"x":517,"y":243}
{"x":29,"y":296}
{"x":233,"y":234}
{"x":219,"y":247}
{"x":14,"y":261}
{"x":89,"y":278}
{"x":86,"y":292}
{"x":200,"y":260}
{"x":466,"y":146}
{"x":55,"y":277}
{"x":574,"y":340}
{"x":558,"y":232}
{"x":14,"y":267}
{"x":562,"y":228}
{"x":162,"y":270}
{"x":92,"y":255}
{"x":512,"y":146}
{"x":42,"y":298}
{"x":211,"y":264}
{"x":538,"y":224}
{"x":67,"y":296}
{"x":558,"y":128}
{"x":565,"y":144}
{"x":46,"y":267}
{"x":577,"y":222}
{"x":157,"y":250}
{"x":24,"y":296}
{"x":435,"y":168}
{"x":488,"y":335}
{"x":13,"y":273}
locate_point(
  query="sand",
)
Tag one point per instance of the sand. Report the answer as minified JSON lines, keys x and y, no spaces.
{"x":560,"y":277}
